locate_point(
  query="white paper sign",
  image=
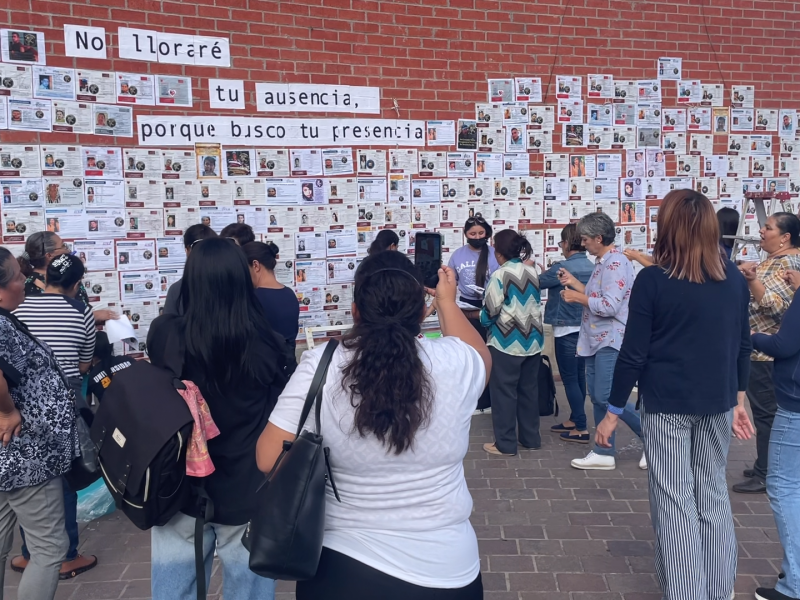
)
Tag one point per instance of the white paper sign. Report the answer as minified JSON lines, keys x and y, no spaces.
{"x":311,"y":97}
{"x":226,"y":94}
{"x":173,"y":48}
{"x":84,"y":42}
{"x":175,"y":130}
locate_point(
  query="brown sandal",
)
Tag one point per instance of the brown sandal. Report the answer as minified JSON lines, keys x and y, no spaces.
{"x":18,"y":564}
{"x":70,"y":570}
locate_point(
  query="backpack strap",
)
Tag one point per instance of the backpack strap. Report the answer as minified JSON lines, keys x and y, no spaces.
{"x":316,"y":385}
{"x":206,"y":507}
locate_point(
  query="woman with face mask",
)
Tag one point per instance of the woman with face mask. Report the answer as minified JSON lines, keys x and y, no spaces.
{"x":473,"y":265}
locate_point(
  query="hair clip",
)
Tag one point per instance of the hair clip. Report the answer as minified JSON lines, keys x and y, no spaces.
{"x":62,"y":263}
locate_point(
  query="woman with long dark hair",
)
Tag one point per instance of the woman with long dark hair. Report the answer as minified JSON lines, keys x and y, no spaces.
{"x":728,"y":219}
{"x":512,"y":312}
{"x":473,"y":265}
{"x":385,"y":240}
{"x":278,"y":301}
{"x":687,"y":343}
{"x":228,"y":349}
{"x":396,"y":411}
{"x":173,"y":305}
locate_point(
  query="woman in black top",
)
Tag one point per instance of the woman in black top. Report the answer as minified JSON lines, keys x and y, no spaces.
{"x":385,"y":240}
{"x":236,"y":360}
{"x":278,"y":301}
{"x":687,"y":343}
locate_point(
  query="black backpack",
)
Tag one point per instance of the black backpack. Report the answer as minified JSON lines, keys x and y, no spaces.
{"x":547,"y":389}
{"x":142,"y":429}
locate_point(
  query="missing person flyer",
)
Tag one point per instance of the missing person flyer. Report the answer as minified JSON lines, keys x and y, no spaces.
{"x":102,"y":162}
{"x":209,"y":161}
{"x":97,"y":86}
{"x":18,"y":224}
{"x":63,"y":191}
{"x":105,"y":223}
{"x":173,"y":91}
{"x":136,"y":255}
{"x":139,"y":285}
{"x":29,"y":115}
{"x":15,"y":81}
{"x":113,"y":120}
{"x":53,"y":83}
{"x":98,"y":255}
{"x":72,"y":117}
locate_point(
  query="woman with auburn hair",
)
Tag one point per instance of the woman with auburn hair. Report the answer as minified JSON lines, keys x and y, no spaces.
{"x":692,"y":394}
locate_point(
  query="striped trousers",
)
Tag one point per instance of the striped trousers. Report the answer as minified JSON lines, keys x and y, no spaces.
{"x":695,"y":552}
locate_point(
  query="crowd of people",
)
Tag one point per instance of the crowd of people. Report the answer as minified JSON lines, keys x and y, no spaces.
{"x":397,"y":406}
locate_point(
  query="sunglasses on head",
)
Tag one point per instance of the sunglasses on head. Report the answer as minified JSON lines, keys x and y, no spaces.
{"x":234,"y":240}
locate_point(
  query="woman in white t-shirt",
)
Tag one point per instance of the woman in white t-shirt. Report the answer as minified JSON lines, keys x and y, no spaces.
{"x":396,"y":416}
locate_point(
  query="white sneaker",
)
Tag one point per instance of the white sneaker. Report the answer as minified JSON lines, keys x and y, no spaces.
{"x":594,"y":461}
{"x":643,"y":463}
{"x":482,"y":411}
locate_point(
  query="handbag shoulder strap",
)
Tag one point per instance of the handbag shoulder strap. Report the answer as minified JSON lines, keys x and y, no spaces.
{"x":316,"y":385}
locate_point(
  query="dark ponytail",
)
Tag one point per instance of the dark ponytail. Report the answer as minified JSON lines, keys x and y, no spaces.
{"x":385,"y":239}
{"x":37,"y":247}
{"x":388,"y":386}
{"x":482,"y":266}
{"x":265,"y":253}
{"x":64,"y":272}
{"x":509,"y":244}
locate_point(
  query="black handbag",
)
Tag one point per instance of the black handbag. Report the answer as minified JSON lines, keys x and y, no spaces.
{"x":284,"y":536}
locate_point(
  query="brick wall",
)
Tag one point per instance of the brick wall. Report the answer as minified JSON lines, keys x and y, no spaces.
{"x":434,"y":56}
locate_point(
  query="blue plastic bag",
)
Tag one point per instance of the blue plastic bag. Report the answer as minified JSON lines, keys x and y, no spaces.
{"x":94,"y":502}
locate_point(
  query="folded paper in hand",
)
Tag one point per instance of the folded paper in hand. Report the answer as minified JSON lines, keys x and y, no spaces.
{"x":120,"y":330}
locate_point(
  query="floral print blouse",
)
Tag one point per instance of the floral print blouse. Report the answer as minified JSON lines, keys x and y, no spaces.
{"x":48,"y":441}
{"x":609,"y":289}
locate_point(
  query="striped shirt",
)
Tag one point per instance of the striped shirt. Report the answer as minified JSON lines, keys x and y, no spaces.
{"x":65,"y":324}
{"x":512,"y":310}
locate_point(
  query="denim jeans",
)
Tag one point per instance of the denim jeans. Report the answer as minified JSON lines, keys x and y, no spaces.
{"x":572,"y":369}
{"x":70,"y":523}
{"x":783,"y":489}
{"x":173,"y":568}
{"x":599,"y":375}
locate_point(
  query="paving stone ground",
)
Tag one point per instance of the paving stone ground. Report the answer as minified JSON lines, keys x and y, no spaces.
{"x":545,"y":530}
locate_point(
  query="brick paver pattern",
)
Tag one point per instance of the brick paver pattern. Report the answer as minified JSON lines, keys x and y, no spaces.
{"x":545,"y":530}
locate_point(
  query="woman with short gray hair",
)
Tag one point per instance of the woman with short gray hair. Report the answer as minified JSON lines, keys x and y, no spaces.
{"x":605,"y":313}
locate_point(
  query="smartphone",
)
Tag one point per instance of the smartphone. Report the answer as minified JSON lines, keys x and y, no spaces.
{"x":428,"y":257}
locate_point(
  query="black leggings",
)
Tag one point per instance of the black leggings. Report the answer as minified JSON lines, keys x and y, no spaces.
{"x":340,"y":577}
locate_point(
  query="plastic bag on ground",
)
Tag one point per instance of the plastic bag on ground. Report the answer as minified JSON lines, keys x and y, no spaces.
{"x":94,"y":502}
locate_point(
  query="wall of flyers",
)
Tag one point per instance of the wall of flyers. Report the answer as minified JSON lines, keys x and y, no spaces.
{"x":524,"y":159}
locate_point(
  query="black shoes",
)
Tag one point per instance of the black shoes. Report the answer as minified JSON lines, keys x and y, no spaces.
{"x":771,"y":594}
{"x":754,"y":485}
{"x":749,"y":473}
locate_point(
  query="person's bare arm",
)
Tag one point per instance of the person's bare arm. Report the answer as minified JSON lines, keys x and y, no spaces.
{"x":10,"y":419}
